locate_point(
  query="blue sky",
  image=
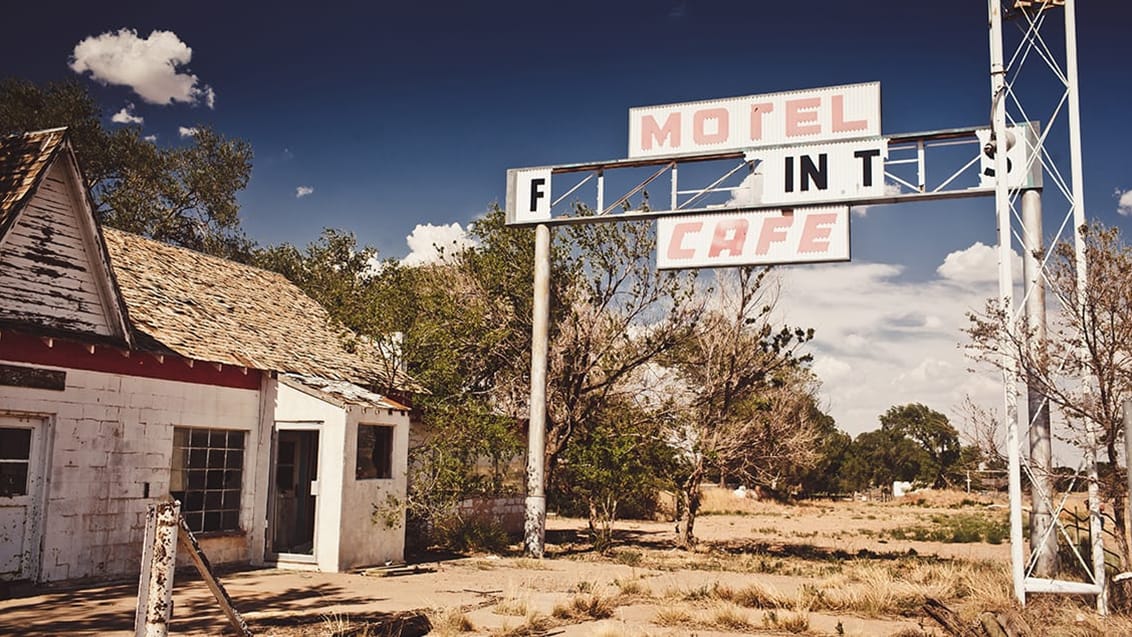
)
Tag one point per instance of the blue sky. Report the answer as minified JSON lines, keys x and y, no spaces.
{"x":399,"y":114}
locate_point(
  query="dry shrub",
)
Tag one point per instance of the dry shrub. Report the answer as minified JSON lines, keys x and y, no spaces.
{"x":673,"y":616}
{"x":632,"y":588}
{"x":452,"y":621}
{"x":790,"y":621}
{"x":758,"y":595}
{"x":585,"y":607}
{"x":728,"y":616}
{"x":513,"y":603}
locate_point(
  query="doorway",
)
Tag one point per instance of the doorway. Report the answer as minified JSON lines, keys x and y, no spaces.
{"x":295,"y":492}
{"x":22,"y":440}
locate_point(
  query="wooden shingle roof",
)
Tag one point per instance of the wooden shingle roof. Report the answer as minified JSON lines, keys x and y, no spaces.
{"x":211,"y":309}
{"x":23,"y":162}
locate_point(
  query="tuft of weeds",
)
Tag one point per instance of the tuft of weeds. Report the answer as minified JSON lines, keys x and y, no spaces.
{"x":632,"y":588}
{"x":584,"y":607}
{"x":789,"y":621}
{"x":584,"y":586}
{"x":530,"y":564}
{"x":449,"y":622}
{"x":673,"y":616}
{"x":628,"y":557}
{"x":728,"y":616}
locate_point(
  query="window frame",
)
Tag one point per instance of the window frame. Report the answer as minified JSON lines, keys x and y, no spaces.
{"x":206,"y":473}
{"x":366,"y":465}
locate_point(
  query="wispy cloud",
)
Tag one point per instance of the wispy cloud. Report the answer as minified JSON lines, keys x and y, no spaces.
{"x":1124,"y":202}
{"x":186,"y":131}
{"x":126,"y":116}
{"x":303,"y":191}
{"x":150,"y":138}
{"x":150,"y":67}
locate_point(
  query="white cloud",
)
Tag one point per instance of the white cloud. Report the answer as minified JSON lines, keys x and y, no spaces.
{"x":186,"y":131}
{"x":150,"y":138}
{"x":303,"y":191}
{"x":890,"y":189}
{"x":976,"y":264}
{"x":126,"y":116}
{"x":150,"y":67}
{"x":429,"y":243}
{"x":881,"y":340}
{"x":1124,"y":202}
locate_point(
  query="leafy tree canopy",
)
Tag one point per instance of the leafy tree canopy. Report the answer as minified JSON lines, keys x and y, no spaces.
{"x":184,"y":195}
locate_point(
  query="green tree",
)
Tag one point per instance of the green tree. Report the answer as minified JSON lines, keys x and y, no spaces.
{"x":619,"y":461}
{"x":878,"y":458}
{"x":932,"y":432}
{"x":184,"y":195}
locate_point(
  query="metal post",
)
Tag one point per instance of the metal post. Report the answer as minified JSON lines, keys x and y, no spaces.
{"x":1078,"y":176}
{"x":1043,"y":541}
{"x":534,"y":523}
{"x":1128,"y":454}
{"x":1006,"y":297}
{"x":159,"y":556}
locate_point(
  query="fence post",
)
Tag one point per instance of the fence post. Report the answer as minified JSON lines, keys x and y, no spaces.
{"x":159,"y":556}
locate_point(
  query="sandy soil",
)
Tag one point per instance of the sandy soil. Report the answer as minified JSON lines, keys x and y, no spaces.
{"x":646,"y":575}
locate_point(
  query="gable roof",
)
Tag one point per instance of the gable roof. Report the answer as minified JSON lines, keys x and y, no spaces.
{"x":54,"y":270}
{"x":23,"y":162}
{"x":211,"y":309}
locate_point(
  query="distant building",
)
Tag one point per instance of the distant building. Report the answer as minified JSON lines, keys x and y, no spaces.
{"x":131,"y":370}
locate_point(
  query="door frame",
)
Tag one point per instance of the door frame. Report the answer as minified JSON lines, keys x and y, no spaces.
{"x":270,"y":554}
{"x":39,"y":475}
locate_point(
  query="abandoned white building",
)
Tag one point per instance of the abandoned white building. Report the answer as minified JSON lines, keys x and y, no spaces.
{"x":131,"y":370}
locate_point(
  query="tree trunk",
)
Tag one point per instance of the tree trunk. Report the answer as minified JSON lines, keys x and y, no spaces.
{"x":690,"y":494}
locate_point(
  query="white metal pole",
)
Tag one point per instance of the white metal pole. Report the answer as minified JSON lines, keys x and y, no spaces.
{"x":155,"y":587}
{"x":1078,"y":175}
{"x":1043,"y":540}
{"x":534,"y":523}
{"x":1006,"y":297}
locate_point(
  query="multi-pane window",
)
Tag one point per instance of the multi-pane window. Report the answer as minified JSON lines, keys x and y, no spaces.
{"x":15,"y":454}
{"x":207,"y":472}
{"x":375,"y":452}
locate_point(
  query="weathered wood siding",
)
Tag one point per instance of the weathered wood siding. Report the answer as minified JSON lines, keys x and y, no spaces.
{"x":46,"y":275}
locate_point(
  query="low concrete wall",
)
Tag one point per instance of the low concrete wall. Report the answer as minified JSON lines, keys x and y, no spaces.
{"x":507,"y":512}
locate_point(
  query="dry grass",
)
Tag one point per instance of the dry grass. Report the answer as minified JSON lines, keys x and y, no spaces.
{"x":790,"y":621}
{"x":583,"y":607}
{"x":632,"y":588}
{"x":450,"y":622}
{"x":728,"y":616}
{"x":673,"y":616}
{"x":514,"y":602}
{"x":534,"y":625}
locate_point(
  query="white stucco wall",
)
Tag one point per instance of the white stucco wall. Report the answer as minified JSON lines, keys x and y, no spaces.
{"x":364,"y":541}
{"x":294,"y":407}
{"x":112,"y":434}
{"x":345,"y":534}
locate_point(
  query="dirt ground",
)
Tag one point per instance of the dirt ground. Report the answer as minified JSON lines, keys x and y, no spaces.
{"x":645,"y":585}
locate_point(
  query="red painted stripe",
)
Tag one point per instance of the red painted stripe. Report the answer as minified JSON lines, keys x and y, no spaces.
{"x":19,"y":347}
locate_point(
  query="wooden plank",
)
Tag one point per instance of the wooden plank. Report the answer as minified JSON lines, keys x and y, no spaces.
{"x":189,"y":543}
{"x":22,"y":273}
{"x":61,"y":300}
{"x":947,"y":618}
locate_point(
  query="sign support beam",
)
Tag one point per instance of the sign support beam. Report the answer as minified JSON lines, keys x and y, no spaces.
{"x":534,"y":521}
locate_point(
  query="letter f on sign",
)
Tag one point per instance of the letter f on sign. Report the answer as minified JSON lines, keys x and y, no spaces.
{"x":536,"y":192}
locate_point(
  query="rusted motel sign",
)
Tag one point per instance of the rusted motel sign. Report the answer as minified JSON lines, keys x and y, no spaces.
{"x":817,"y":147}
{"x":816,"y":152}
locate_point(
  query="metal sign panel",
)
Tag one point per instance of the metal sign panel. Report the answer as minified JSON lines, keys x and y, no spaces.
{"x":801,"y":235}
{"x":528,"y":195}
{"x":754,"y":121}
{"x":825,"y":173}
{"x":1023,"y":167}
